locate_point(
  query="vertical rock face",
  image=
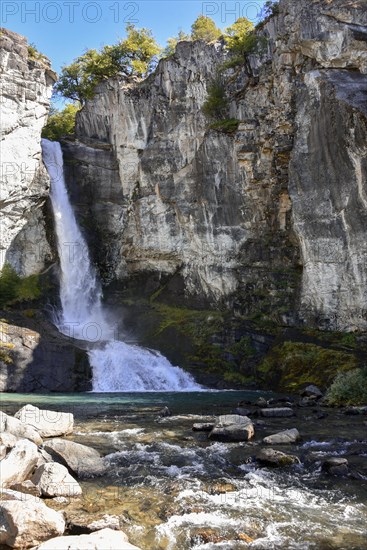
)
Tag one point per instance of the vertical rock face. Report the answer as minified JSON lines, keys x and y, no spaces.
{"x":327,"y":179}
{"x":26,"y":85}
{"x":270,"y":218}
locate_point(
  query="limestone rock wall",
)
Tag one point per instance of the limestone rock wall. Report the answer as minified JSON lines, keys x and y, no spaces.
{"x":270,"y":219}
{"x":26,"y":86}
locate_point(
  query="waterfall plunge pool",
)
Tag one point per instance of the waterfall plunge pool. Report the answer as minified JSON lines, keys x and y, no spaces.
{"x":172,"y":488}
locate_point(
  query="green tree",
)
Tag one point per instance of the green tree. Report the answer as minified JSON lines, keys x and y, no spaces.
{"x":133,"y":56}
{"x":205,"y":29}
{"x":61,"y":123}
{"x":216,"y":104}
{"x":172,"y":43}
{"x":237,"y":35}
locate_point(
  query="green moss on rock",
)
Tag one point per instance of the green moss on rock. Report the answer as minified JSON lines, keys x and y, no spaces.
{"x":290,"y":365}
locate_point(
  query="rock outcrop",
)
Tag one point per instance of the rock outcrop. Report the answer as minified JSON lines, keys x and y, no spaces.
{"x":270,"y":218}
{"x":26,"y":86}
{"x":38,"y":358}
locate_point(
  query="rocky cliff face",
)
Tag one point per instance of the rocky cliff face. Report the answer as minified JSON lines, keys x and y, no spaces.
{"x":270,"y":219}
{"x":26,"y":86}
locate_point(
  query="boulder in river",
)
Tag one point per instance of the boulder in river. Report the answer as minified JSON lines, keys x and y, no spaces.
{"x":54,"y":480}
{"x":19,"y":463}
{"x":284,"y":437}
{"x":335,"y":465}
{"x":83,"y":461}
{"x":15,"y":427}
{"x":47,"y":423}
{"x":277,"y":412}
{"x":312,"y":391}
{"x":271,"y":457}
{"x":232,"y":427}
{"x":26,"y":523}
{"x":106,"y":539}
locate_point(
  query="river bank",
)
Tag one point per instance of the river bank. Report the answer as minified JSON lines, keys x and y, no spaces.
{"x":170,"y":487}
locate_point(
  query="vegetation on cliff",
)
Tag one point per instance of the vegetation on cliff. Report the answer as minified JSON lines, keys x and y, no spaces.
{"x":14,"y":288}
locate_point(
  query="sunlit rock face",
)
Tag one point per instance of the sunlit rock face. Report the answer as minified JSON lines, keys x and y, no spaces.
{"x":26,"y":86}
{"x":270,"y":218}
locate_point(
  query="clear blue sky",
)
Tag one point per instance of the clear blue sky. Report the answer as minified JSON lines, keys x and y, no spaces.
{"x":64,"y":29}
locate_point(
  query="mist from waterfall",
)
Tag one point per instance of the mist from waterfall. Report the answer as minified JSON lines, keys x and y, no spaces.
{"x":117,"y":366}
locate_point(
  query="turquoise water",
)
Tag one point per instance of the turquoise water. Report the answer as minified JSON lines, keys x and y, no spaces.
{"x":94,"y":404}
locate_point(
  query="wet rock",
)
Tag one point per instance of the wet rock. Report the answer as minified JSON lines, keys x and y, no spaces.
{"x":24,"y":524}
{"x":311,"y":391}
{"x":54,"y":480}
{"x":320,"y":415}
{"x":283,"y":401}
{"x":164,"y":413}
{"x":271,"y":457}
{"x":19,"y":463}
{"x":61,"y":500}
{"x":261,"y":402}
{"x":27,"y":487}
{"x":335,"y":466}
{"x":284,"y":437}
{"x":232,"y":427}
{"x":203,"y":426}
{"x":308,"y":401}
{"x":354,"y":411}
{"x":207,"y":536}
{"x":15,"y":427}
{"x":83,"y":461}
{"x":277,"y":412}
{"x":47,"y":423}
{"x":106,"y":539}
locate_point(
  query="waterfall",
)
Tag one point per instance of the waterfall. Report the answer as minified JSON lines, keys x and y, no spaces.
{"x":117,"y":366}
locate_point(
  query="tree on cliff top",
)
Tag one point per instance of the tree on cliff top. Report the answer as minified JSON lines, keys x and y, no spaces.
{"x":133,"y":56}
{"x":237,"y":36}
{"x":205,"y":29}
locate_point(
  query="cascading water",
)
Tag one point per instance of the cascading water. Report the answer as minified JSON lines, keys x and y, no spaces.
{"x":117,"y":366}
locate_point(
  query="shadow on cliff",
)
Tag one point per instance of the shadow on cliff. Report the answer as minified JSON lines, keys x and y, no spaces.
{"x":39,"y":358}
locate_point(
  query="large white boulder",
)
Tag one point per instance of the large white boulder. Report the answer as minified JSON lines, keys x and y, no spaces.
{"x":17,"y":428}
{"x":83,"y":461}
{"x":54,"y":480}
{"x":283,"y":438}
{"x":19,"y":463}
{"x":232,"y":427}
{"x":26,"y":523}
{"x":106,"y":539}
{"x":47,"y":423}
